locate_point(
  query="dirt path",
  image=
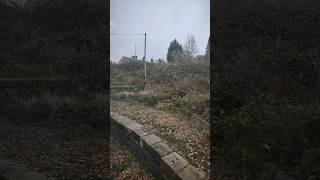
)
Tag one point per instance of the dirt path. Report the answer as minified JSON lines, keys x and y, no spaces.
{"x":191,"y":143}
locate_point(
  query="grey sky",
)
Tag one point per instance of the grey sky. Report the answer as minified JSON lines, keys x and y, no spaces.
{"x":162,"y":20}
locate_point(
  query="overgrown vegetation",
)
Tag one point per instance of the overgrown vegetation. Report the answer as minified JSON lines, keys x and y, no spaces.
{"x":266,"y":89}
{"x":59,"y":132}
{"x":59,"y":39}
{"x":180,"y":87}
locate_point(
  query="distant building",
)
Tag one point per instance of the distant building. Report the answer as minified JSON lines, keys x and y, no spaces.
{"x":133,"y":59}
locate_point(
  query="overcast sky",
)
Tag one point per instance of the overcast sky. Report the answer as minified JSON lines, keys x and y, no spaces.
{"x":162,"y":20}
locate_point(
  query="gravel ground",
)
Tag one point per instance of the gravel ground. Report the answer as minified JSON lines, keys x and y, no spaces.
{"x":179,"y":134}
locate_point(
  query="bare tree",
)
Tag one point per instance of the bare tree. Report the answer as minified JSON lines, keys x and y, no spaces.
{"x":190,"y":47}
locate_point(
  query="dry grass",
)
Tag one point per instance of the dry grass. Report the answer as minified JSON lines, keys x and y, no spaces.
{"x":181,"y":135}
{"x":174,"y":104}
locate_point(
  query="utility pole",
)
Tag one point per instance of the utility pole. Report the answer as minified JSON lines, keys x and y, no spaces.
{"x":135,"y":49}
{"x":145,"y":57}
{"x":145,"y":50}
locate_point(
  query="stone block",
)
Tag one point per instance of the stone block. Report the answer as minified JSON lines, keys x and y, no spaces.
{"x":149,"y":140}
{"x":158,"y":150}
{"x":133,"y":126}
{"x":173,"y":163}
{"x":162,"y":149}
{"x":137,"y":134}
{"x":120,"y":119}
{"x":191,"y":173}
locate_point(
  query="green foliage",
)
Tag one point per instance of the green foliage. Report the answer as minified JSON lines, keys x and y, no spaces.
{"x":175,"y":49}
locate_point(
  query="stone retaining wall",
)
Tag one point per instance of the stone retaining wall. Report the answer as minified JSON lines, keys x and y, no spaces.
{"x":151,"y":150}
